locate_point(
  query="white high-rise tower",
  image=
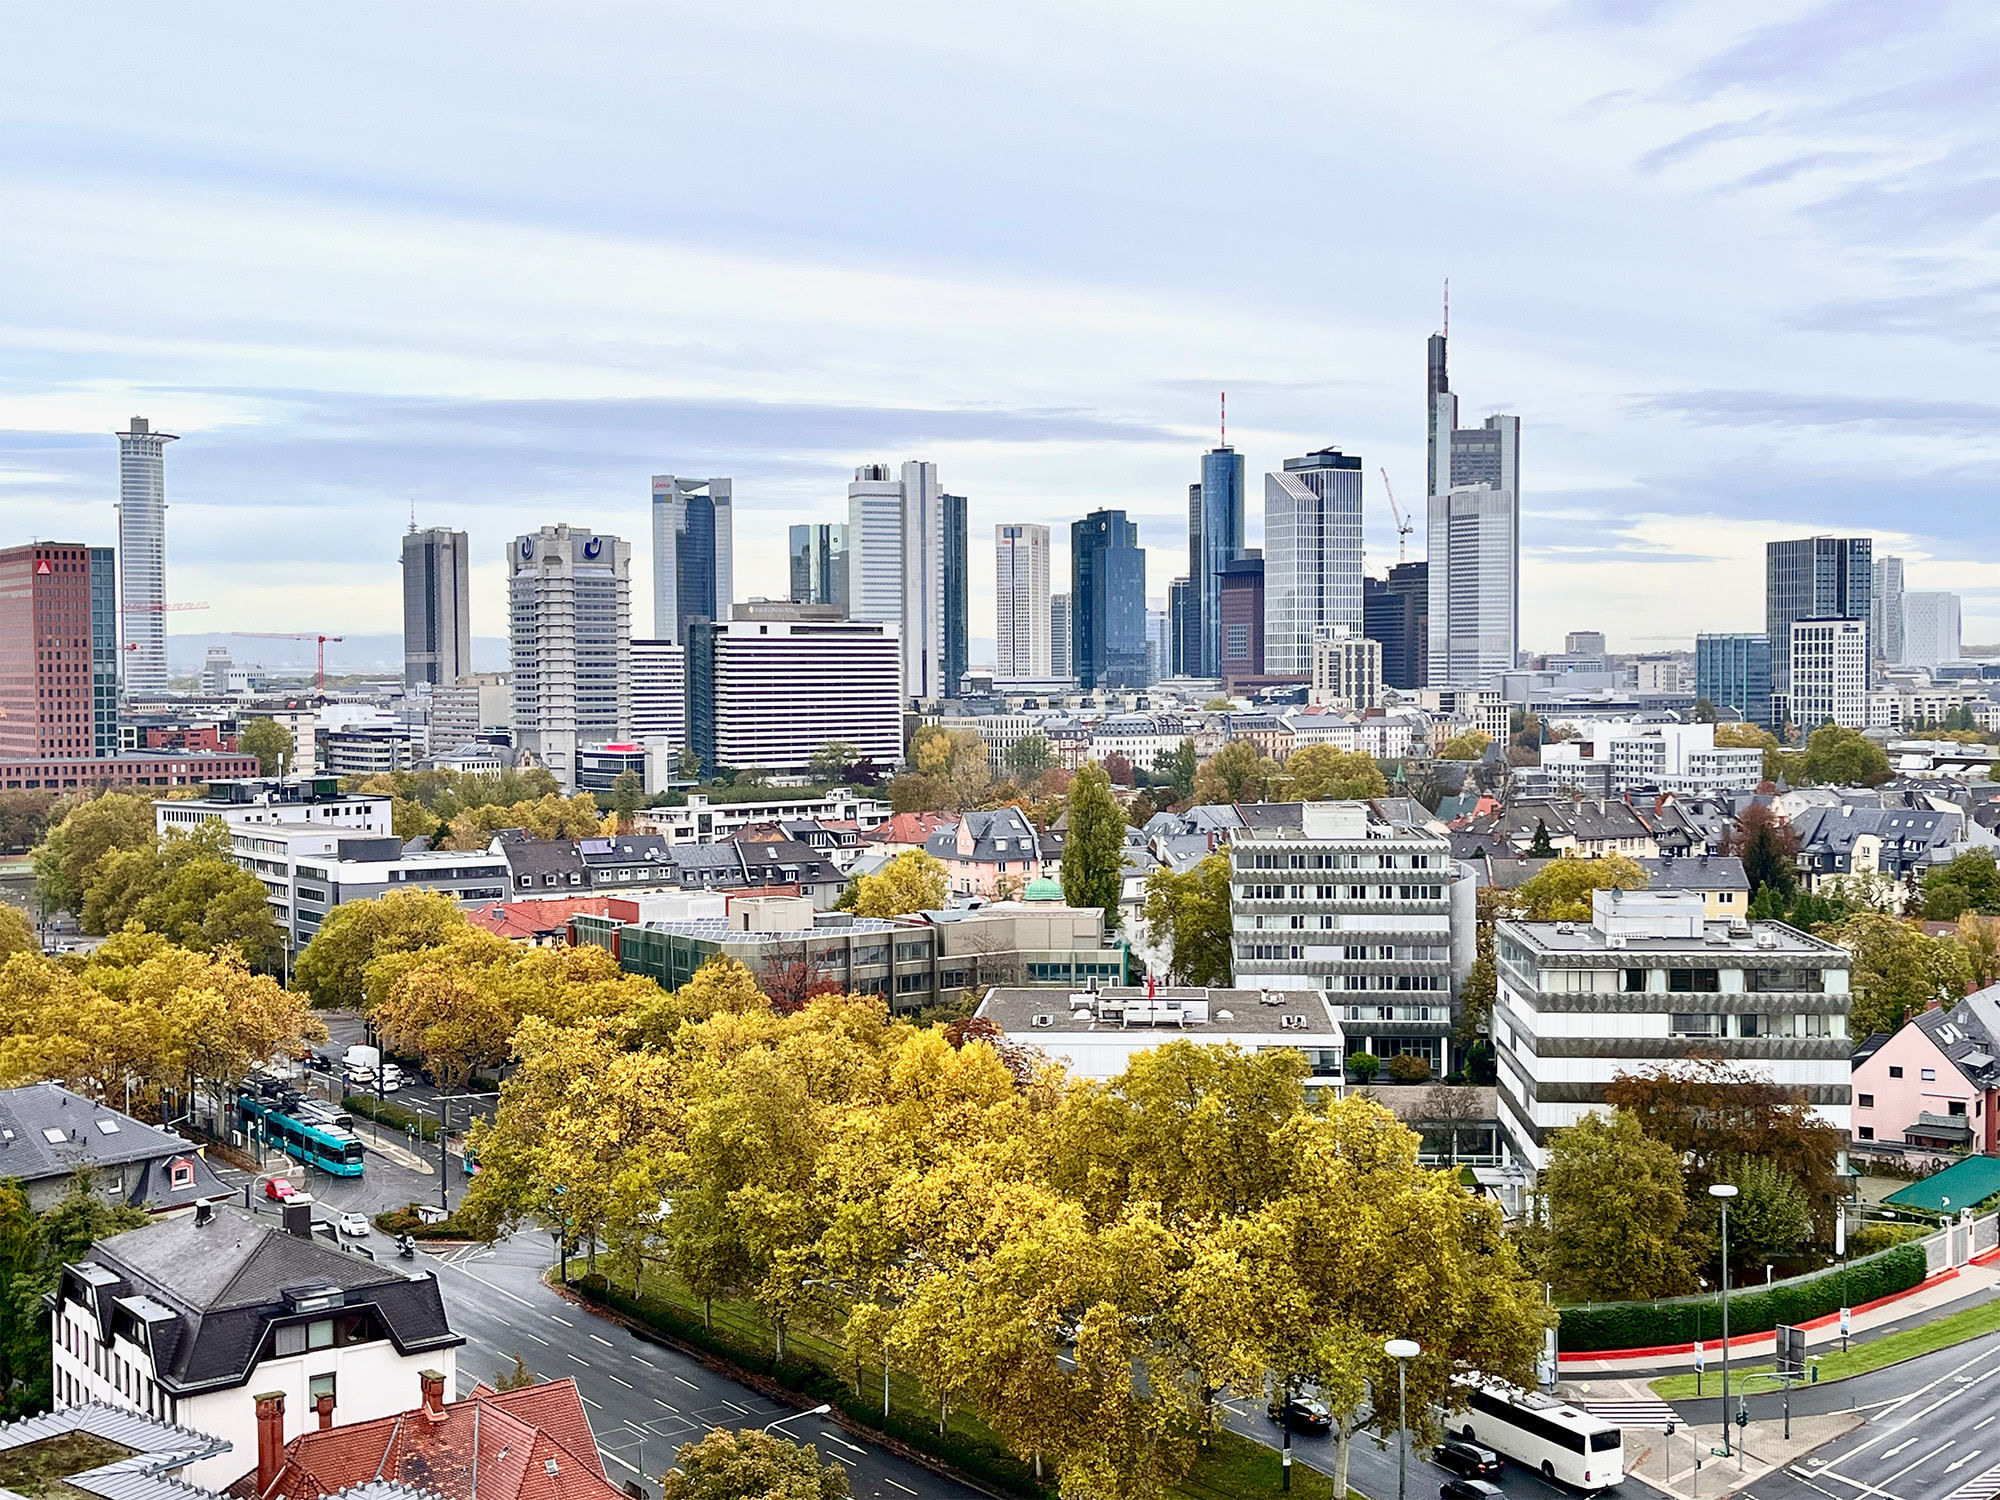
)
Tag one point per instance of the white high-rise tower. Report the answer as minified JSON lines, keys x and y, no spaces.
{"x":569,"y":598}
{"x":1474,"y":539}
{"x":1021,"y":600}
{"x":142,"y":556}
{"x":1312,"y":555}
{"x":895,"y":565}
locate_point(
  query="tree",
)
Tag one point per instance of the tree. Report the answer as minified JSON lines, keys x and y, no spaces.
{"x":1842,"y":757}
{"x":24,"y":818}
{"x":69,"y":857}
{"x":1321,"y":773}
{"x":912,"y":792}
{"x":688,"y":765}
{"x":1770,"y":1218}
{"x":1561,"y":891}
{"x":1704,"y":711}
{"x":1768,"y":847}
{"x":1979,"y":939}
{"x":1898,"y":972}
{"x":912,"y":881}
{"x":1409,"y":1067}
{"x":17,"y":934}
{"x":1617,"y":1210}
{"x":1093,"y":856}
{"x":1471,"y":744}
{"x":270,"y":742}
{"x":1969,"y":883}
{"x":1190,"y":915}
{"x":1747,"y":736}
{"x":1141,"y":810}
{"x":751,"y":1465}
{"x":1176,"y":769}
{"x":958,"y":759}
{"x":453,"y":1024}
{"x":628,"y":795}
{"x":517,"y":1379}
{"x":33,"y":1249}
{"x":1029,"y":756}
{"x":207,"y":904}
{"x":829,"y":763}
{"x":331,"y":968}
{"x":1363,"y":1066}
{"x":1118,"y":768}
{"x":1539,"y":846}
{"x":1238,"y":772}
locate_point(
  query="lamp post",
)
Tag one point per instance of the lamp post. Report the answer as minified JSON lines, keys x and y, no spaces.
{"x":1402,"y":1351}
{"x":562,"y":1254}
{"x":818,"y":1411}
{"x":1722,"y":1192}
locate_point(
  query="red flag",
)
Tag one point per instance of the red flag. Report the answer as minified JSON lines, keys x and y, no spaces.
{"x":1151,"y":980}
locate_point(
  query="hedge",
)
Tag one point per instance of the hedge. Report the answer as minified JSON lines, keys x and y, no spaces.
{"x":1754,"y":1309}
{"x":406,"y":1221}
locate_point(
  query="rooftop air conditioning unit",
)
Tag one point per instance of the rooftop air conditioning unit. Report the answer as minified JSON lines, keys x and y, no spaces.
{"x":1767,"y":940}
{"x":1565,"y":928}
{"x":1045,"y":1019}
{"x":1265,"y":997}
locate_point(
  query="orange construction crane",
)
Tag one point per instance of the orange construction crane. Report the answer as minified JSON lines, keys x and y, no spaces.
{"x":296,"y":635}
{"x":1403,"y":528}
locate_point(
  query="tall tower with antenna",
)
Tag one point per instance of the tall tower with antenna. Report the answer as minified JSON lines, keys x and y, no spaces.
{"x":142,"y":556}
{"x":437,"y":605}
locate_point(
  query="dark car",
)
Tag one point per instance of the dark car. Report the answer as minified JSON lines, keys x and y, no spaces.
{"x":1469,"y":1489}
{"x":1306,"y":1414}
{"x":1468,"y":1460}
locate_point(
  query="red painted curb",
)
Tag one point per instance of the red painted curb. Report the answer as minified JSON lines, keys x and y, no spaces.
{"x":1769,"y":1336}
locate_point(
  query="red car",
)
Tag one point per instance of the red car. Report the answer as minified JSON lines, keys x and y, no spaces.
{"x":280,"y":1188}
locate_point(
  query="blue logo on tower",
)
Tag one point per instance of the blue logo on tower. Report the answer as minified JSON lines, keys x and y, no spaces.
{"x":594,"y":546}
{"x":527,"y":546}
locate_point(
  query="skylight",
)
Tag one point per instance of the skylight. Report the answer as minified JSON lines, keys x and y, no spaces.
{"x":107,"y":1127}
{"x":53,"y":1136}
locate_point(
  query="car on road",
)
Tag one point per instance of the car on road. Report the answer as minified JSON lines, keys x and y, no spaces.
{"x":1468,"y":1460}
{"x":279,"y":1189}
{"x":1469,"y":1489}
{"x":354,"y":1224}
{"x":1307,"y":1415}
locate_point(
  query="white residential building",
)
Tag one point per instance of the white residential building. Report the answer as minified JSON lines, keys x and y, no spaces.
{"x":1312,"y":556}
{"x":569,"y":598}
{"x":1613,"y":759}
{"x":1346,"y":668}
{"x":1481,"y":708}
{"x":1894,"y":707}
{"x":1384,"y":736}
{"x":1021,"y":601}
{"x":1650,"y":982}
{"x":477,"y":703}
{"x":1376,"y":915}
{"x":659,"y":692}
{"x":895,"y":566}
{"x":311,"y":801}
{"x":700,"y":821}
{"x":777,"y":682}
{"x":1829,"y":676}
{"x":1930,"y":629}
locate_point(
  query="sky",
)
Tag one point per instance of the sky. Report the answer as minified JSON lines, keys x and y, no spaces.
{"x":1734,"y":267}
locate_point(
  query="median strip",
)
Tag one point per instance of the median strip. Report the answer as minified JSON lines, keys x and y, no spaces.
{"x":1860,"y":1359}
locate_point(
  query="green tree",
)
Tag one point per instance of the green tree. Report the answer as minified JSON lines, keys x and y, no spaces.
{"x":33,"y":1249}
{"x":1363,"y":1066}
{"x":1898,"y":972}
{"x":1093,"y":856}
{"x":688,"y":764}
{"x":830,"y":762}
{"x":628,"y":795}
{"x":1539,"y":846}
{"x":1561,"y":891}
{"x":749,"y":1465}
{"x":915,"y":792}
{"x":208,"y":903}
{"x":1769,"y":850}
{"x":1752,"y":737}
{"x":68,"y":859}
{"x":1704,"y":711}
{"x":334,"y":964}
{"x":1842,"y":757}
{"x":1176,"y":769}
{"x":1321,"y":773}
{"x":1616,"y":1213}
{"x":1029,"y":756}
{"x":912,"y":881}
{"x":1469,"y":745}
{"x":1770,"y":1218}
{"x":1189,"y":914}
{"x":270,"y":742}
{"x":1238,"y":772}
{"x":17,"y":934}
{"x":1969,"y":883}
{"x":24,"y":818}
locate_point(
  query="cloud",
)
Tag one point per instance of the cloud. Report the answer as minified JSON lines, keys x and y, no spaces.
{"x":1661,"y":157}
{"x":1733,"y":408}
{"x":1807,"y":46}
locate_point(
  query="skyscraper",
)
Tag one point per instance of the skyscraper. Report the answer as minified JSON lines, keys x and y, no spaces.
{"x":1215,"y":539}
{"x":1474,"y":537}
{"x":1813,"y":578}
{"x":1183,"y":629}
{"x":1108,"y":595}
{"x":819,"y":565}
{"x":1243,"y":610}
{"x":659,"y":693}
{"x":895,"y":565}
{"x":569,"y":608}
{"x":1312,"y":555}
{"x":1062,"y":642}
{"x":1159,"y":644}
{"x":142,"y":555}
{"x":957,"y":616}
{"x":58,"y":652}
{"x":1397,"y":612}
{"x":1829,"y":672}
{"x":1930,"y":629}
{"x":1885,"y":611}
{"x":437,"y":606}
{"x":1021,"y":601}
{"x":693,"y":554}
{"x":1733,"y":671}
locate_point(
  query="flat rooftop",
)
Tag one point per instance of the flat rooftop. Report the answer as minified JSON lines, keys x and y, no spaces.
{"x":1753,"y":943}
{"x":1229,"y":1012}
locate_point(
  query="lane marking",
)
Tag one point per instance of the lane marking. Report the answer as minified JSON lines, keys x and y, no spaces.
{"x":688,"y":1383}
{"x":590,"y":1403}
{"x":658,"y":1402}
{"x":903,"y":1487}
{"x":616,"y":1381}
{"x":1959,"y":1463}
{"x":605,"y":1342}
{"x":1947,"y":1443}
{"x":485,"y":1283}
{"x":1906,"y":1443}
{"x":837,"y":1438}
{"x":579,"y":1359}
{"x":620,"y":1462}
{"x":557,"y":1316}
{"x":646,"y":1362}
{"x":837,"y":1458}
{"x":744,"y":1410}
{"x":1977,"y":1425}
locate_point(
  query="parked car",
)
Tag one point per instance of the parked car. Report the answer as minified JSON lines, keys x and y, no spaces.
{"x":1468,"y":1460}
{"x":1307,"y":1415}
{"x":279,"y":1189}
{"x":1469,"y":1489}
{"x":354,"y":1224}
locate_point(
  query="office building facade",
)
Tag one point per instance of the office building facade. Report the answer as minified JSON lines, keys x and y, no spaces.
{"x":1159,"y":644}
{"x":1475,"y":585}
{"x":1885,"y":610}
{"x":58,"y":652}
{"x":569,"y":605}
{"x":1346,"y":669}
{"x":1021,"y":601}
{"x":1215,"y":539}
{"x":1813,"y":578}
{"x":1733,"y":672}
{"x":1061,"y":642}
{"x":437,"y":606}
{"x":895,"y":565}
{"x":1397,"y":612}
{"x":1108,"y":601}
{"x":1312,"y":555}
{"x":1183,"y":630}
{"x":819,"y":565}
{"x":777,"y":682}
{"x":957,"y":608}
{"x":142,"y":556}
{"x":1931,"y":629}
{"x":1245,"y":605}
{"x":693,"y":553}
{"x":659,"y":692}
{"x":1829,"y":673}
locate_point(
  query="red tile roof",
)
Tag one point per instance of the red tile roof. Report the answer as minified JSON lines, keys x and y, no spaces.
{"x":520,"y":921}
{"x":532,"y":1444}
{"x":910,"y":828}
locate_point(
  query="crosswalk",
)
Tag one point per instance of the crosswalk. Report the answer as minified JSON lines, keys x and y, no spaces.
{"x":1637,"y":1413}
{"x":1984,"y":1487}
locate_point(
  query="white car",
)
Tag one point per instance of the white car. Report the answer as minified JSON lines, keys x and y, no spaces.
{"x":354,"y":1224}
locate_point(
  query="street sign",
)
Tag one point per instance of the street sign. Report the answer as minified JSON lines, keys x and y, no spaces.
{"x":1846,"y":1321}
{"x":1700,"y":1356}
{"x":1791,"y":1352}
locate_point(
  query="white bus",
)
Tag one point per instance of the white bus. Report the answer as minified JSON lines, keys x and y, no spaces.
{"x":1554,"y":1439}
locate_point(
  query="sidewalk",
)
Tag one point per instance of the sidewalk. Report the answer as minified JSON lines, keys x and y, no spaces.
{"x":1945,"y":1291}
{"x":1668,"y":1464}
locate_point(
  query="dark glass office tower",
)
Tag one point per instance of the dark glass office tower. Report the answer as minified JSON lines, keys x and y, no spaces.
{"x":1734,"y":672}
{"x":1217,"y":503}
{"x":957,"y":621}
{"x":1813,"y":578}
{"x":1108,"y":601}
{"x":1396,"y":612}
{"x":1183,"y":633}
{"x":819,"y":565}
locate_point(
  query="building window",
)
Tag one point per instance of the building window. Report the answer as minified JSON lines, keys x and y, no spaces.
{"x":1694,"y":981}
{"x":1864,"y":1101}
{"x":1895,"y":1072}
{"x":1955,"y":1107}
{"x":1867,"y":1132}
{"x":1634,"y":982}
{"x":1928,"y":1075}
{"x":317,"y":1386}
{"x":1686,"y":1023}
{"x":181,"y":1174}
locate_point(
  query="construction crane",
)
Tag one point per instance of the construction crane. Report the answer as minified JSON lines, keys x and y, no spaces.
{"x":296,"y":635}
{"x":159,"y":609}
{"x":1403,"y":528}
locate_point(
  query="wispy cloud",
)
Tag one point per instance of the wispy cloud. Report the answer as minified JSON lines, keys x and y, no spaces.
{"x":1661,"y":157}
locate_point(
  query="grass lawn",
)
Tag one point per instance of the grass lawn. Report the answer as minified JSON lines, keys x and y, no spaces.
{"x":1236,"y":1467}
{"x":41,"y":1470}
{"x":1954,"y":1328}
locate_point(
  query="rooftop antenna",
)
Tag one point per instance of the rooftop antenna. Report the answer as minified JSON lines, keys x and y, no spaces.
{"x":1447,"y":307}
{"x":1225,"y":419}
{"x":413,"y":516}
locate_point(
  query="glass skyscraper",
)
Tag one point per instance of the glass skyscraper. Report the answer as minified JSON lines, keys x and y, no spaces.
{"x":1215,"y":539}
{"x":1108,"y":598}
{"x":1734,"y":673}
{"x":437,"y":606}
{"x":1312,"y":555}
{"x":819,"y":565}
{"x":1396,"y":612}
{"x":142,"y":555}
{"x":693,"y":549}
{"x":1813,"y":578}
{"x":957,"y":620}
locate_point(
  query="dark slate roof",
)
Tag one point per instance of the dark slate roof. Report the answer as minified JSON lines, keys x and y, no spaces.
{"x":1697,"y":872}
{"x":1909,"y":835}
{"x":1870,"y":1045}
{"x":626,"y":849}
{"x":95,"y":1135}
{"x":1968,"y":1034}
{"x":539,"y":857}
{"x":220,"y":1285}
{"x":1008,"y":823}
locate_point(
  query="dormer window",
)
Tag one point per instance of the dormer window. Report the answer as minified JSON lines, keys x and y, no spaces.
{"x":181,"y":1172}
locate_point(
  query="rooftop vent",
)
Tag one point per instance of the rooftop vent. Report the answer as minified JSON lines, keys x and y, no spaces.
{"x":1291,"y":1023}
{"x":1265,"y":997}
{"x":1565,"y":928}
{"x":1044,"y":1019}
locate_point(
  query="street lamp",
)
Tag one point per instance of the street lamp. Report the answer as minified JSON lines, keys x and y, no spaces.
{"x":562,"y":1253}
{"x":1402,"y":1351}
{"x":818,"y":1411}
{"x":1722,"y":1192}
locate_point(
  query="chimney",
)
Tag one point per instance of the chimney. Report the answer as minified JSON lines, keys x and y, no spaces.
{"x":433,"y":1384}
{"x":270,"y":1439}
{"x":298,"y":1218}
{"x":323,"y":1404}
